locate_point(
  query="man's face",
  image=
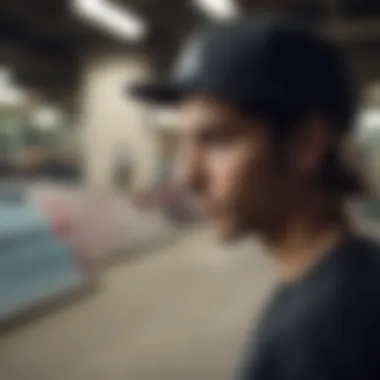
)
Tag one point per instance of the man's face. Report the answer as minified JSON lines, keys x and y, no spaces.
{"x":227,"y":161}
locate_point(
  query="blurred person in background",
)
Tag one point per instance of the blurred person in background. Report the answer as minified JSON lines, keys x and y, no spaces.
{"x":266,"y":103}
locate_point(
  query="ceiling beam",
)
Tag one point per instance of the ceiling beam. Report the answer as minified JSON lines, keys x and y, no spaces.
{"x":352,"y":31}
{"x":251,"y":5}
{"x":38,"y":72}
{"x":23,"y":56}
{"x":334,"y":8}
{"x":55,"y":26}
{"x":59,"y":27}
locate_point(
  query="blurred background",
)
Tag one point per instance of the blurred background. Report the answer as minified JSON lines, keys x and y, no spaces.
{"x":106,"y":272}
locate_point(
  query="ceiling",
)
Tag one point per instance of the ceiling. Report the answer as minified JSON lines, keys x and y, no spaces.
{"x":44,"y":42}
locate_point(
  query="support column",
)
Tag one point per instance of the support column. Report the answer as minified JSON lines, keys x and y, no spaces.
{"x":114,"y":124}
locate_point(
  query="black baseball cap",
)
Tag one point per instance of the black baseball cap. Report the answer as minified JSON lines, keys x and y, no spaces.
{"x":264,"y":61}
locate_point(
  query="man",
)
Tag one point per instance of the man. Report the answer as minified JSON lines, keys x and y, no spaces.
{"x":265,"y":106}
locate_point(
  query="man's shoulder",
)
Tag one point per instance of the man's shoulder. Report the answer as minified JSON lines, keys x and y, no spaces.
{"x":347,"y":302}
{"x":346,"y":292}
{"x":360,"y":266}
{"x":329,"y":323}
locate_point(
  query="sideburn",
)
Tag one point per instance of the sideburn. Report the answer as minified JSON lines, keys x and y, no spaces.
{"x":338,"y":178}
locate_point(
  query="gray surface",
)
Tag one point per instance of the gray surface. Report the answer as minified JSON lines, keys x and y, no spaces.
{"x":178,"y":314}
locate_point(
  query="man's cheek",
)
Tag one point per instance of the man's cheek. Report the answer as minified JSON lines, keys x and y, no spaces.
{"x":225,"y":182}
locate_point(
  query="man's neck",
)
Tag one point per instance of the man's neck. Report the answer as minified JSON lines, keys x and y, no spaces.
{"x":307,"y":235}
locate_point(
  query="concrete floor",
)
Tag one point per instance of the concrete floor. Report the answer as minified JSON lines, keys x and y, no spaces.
{"x":180,"y":313}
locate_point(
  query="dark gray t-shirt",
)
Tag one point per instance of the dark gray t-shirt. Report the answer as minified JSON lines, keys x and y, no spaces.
{"x":327,"y":325}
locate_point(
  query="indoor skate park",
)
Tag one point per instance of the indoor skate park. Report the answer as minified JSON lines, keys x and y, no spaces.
{"x":106,"y":269}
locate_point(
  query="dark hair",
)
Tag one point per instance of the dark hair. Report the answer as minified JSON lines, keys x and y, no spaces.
{"x":339,"y":178}
{"x":336,"y":175}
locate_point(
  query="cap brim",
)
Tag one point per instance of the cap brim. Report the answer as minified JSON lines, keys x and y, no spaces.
{"x":159,"y":93}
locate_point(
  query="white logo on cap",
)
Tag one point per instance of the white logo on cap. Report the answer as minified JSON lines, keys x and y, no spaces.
{"x":189,"y":61}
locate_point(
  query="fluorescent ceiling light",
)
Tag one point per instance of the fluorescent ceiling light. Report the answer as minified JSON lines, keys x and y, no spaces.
{"x":217,"y":9}
{"x":10,"y":94}
{"x":116,"y":19}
